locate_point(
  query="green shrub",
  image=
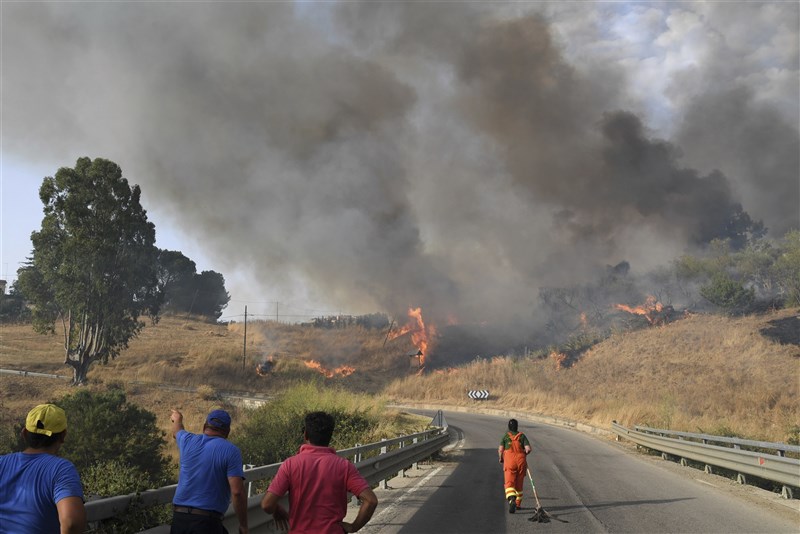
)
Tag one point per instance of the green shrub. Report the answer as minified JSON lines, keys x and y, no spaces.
{"x":728,"y":294}
{"x":112,"y":477}
{"x":274,"y":432}
{"x":103,"y":427}
{"x":786,"y":269}
{"x":10,"y":428}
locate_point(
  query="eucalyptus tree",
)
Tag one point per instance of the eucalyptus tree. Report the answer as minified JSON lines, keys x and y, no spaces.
{"x":92,"y":274}
{"x":184,"y":290}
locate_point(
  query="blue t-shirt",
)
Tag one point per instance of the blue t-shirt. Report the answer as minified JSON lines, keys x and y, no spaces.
{"x":205,"y":465}
{"x":30,"y":487}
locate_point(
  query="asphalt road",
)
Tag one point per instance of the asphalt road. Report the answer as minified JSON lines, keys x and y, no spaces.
{"x":587,"y":484}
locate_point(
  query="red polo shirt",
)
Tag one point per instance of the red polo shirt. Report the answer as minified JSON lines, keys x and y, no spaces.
{"x":318,"y":482}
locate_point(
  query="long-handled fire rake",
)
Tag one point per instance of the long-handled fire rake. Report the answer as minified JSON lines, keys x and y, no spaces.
{"x":540,"y":515}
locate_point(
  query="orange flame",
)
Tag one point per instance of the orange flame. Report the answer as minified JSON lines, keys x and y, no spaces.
{"x":342,"y":370}
{"x":420,"y":333}
{"x":313,"y":364}
{"x":559,"y":358}
{"x":650,"y":309}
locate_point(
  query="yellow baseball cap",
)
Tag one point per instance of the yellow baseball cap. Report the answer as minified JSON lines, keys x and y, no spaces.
{"x":47,"y":419}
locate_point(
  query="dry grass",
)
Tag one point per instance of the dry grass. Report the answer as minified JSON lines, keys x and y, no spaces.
{"x":206,"y":357}
{"x":703,"y":373}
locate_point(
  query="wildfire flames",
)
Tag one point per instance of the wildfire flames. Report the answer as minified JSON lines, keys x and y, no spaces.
{"x":560,"y":359}
{"x":421,"y":335}
{"x":342,"y":370}
{"x":652,"y":310}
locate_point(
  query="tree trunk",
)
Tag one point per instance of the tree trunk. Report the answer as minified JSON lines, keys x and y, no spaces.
{"x":79,"y":374}
{"x":80,"y":367}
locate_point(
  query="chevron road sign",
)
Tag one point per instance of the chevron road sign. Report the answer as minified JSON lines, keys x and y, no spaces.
{"x":481,"y":394}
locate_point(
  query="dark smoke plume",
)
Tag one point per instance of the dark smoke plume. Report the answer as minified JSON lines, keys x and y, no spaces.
{"x":378,"y":156}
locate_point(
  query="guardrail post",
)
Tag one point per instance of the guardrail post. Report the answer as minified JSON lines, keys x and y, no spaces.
{"x":249,"y":484}
{"x":708,"y":469}
{"x":741,"y":479}
{"x":786,"y":492}
{"x":356,"y":459}
{"x":384,"y":482}
{"x":416,"y":464}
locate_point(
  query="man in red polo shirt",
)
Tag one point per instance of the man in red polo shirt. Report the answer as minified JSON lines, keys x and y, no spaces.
{"x":318,"y":481}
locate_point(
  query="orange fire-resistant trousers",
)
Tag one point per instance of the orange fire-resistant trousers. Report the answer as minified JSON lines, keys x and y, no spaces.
{"x":515,"y":466}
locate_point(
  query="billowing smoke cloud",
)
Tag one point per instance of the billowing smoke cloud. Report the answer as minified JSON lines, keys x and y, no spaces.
{"x":451,"y":156}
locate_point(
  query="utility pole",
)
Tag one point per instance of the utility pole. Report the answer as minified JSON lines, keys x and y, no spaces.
{"x":276,"y":311}
{"x":244,"y":350}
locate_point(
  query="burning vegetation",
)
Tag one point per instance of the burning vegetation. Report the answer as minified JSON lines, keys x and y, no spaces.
{"x":265,"y":366}
{"x":655,"y":312}
{"x":422,"y":336}
{"x":342,"y":370}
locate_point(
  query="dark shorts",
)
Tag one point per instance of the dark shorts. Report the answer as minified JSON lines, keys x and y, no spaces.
{"x":196,"y":524}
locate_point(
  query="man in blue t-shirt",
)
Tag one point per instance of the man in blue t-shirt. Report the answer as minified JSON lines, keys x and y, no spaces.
{"x":40,"y":492}
{"x":211,"y":473}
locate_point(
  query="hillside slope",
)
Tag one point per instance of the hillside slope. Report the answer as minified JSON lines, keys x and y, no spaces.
{"x":702,"y":373}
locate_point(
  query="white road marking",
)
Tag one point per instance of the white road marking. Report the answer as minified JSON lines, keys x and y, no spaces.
{"x":406,"y":494}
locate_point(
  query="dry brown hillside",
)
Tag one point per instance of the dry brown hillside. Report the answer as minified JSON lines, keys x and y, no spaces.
{"x":702,"y":373}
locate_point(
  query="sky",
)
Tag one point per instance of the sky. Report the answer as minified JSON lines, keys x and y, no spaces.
{"x":354,"y":157}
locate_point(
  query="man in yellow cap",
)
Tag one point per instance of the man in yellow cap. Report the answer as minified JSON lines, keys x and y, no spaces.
{"x":40,"y":492}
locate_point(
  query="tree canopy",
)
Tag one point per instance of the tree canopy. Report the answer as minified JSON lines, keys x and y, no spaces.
{"x":93,"y":268}
{"x":184,"y":290}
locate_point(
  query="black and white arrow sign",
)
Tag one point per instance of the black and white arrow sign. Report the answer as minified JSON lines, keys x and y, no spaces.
{"x":481,"y":394}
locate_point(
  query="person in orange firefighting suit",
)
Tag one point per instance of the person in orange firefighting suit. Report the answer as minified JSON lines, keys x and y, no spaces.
{"x":512,"y":452}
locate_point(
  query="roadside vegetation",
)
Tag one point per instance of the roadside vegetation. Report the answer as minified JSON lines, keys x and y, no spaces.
{"x":121,"y":447}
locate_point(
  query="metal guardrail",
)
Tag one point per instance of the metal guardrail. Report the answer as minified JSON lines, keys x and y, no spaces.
{"x":33,"y":373}
{"x":394,"y":456}
{"x":737,"y":443}
{"x":773,"y":467}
